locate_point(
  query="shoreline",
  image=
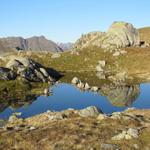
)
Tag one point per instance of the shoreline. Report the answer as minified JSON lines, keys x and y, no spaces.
{"x":88,"y":128}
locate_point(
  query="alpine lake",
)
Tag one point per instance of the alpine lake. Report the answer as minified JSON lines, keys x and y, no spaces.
{"x":111,"y":97}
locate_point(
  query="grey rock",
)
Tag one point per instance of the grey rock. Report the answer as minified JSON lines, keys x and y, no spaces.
{"x":55,"y":116}
{"x":44,"y":72}
{"x":129,"y":134}
{"x":94,"y":88}
{"x":106,"y":146}
{"x":80,"y":85}
{"x":101,"y":117}
{"x":12,"y":118}
{"x":99,"y":68}
{"x":75,"y":80}
{"x":133,"y":132}
{"x":102,"y":63}
{"x":116,"y":54}
{"x":86,"y":86}
{"x":91,"y":111}
{"x":32,"y":128}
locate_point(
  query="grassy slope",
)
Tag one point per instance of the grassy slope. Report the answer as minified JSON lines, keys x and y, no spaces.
{"x":136,"y":61}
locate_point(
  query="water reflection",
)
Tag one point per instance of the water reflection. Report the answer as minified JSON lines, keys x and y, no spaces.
{"x":111,"y":97}
{"x":121,"y":94}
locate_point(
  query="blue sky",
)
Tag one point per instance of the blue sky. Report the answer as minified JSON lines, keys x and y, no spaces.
{"x":66,"y":20}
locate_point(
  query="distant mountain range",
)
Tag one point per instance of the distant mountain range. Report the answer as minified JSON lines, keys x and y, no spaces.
{"x":35,"y":43}
{"x":65,"y":46}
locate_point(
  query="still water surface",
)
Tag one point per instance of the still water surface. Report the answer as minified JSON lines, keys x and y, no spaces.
{"x":67,"y":96}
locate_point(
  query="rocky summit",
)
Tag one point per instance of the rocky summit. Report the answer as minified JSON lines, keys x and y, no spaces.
{"x":120,"y":34}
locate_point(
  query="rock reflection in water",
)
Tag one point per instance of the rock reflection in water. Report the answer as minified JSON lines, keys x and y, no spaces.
{"x":120,"y":95}
{"x":17,"y":94}
{"x":16,"y":101}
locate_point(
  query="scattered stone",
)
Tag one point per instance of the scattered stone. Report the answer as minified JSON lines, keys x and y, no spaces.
{"x":46,"y":91}
{"x":55,"y":116}
{"x":94,"y":88}
{"x":105,"y":146}
{"x":116,"y":54}
{"x":102,"y":63}
{"x":131,"y":133}
{"x":101,"y":117}
{"x":17,"y":114}
{"x":91,"y":111}
{"x":99,"y":68}
{"x":12,"y":118}
{"x":75,"y":80}
{"x":80,"y":85}
{"x":86,"y":86}
{"x":32,"y":128}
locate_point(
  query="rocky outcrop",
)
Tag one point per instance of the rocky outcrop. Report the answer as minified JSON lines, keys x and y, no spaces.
{"x":34,"y":43}
{"x":92,"y":38}
{"x":120,"y":34}
{"x":7,"y":74}
{"x":27,"y":69}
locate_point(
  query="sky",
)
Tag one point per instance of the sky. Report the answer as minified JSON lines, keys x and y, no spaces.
{"x":66,"y":20}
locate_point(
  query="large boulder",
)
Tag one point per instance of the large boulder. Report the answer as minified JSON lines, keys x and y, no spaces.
{"x":90,"y":111}
{"x":120,"y":34}
{"x":28,"y":69}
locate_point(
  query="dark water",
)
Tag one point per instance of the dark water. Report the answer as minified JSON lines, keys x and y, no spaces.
{"x":111,"y":98}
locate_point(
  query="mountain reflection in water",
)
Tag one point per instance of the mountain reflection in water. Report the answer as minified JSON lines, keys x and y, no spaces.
{"x":111,"y":97}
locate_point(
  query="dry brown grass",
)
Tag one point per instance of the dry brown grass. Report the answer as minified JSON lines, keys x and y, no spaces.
{"x":145,"y":34}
